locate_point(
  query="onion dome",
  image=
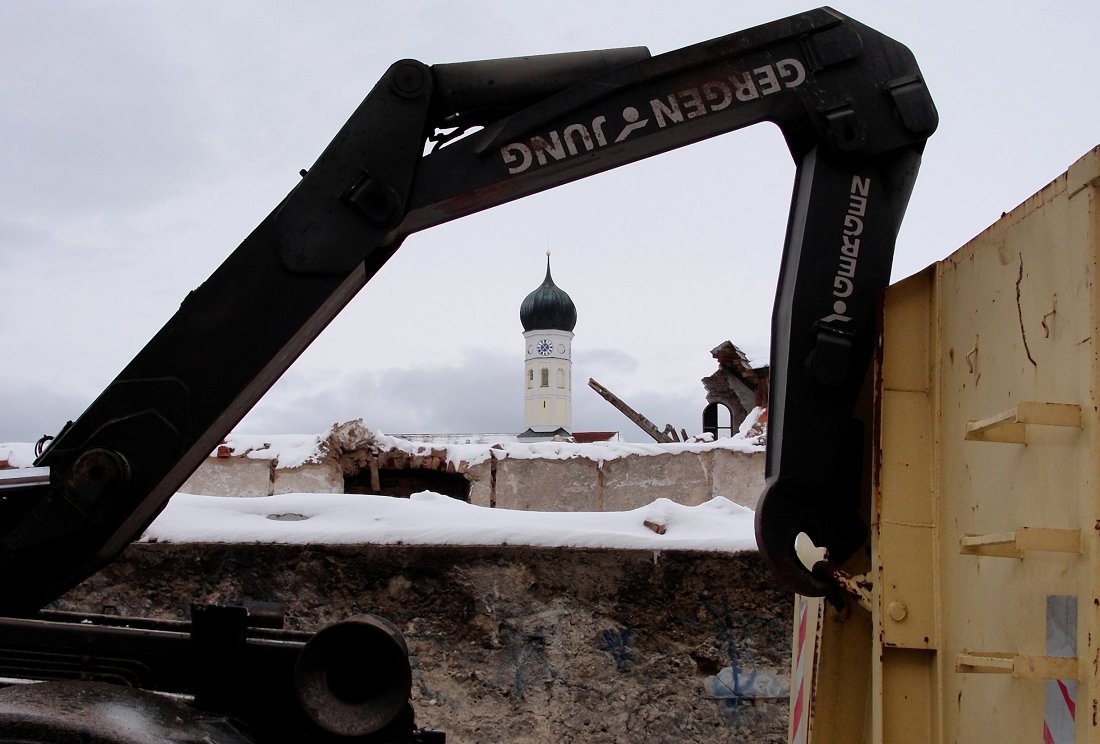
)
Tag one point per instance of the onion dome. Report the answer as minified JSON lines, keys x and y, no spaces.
{"x":548,"y":307}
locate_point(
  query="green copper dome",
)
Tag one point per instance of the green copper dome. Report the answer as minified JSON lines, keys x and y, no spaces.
{"x":548,"y":307}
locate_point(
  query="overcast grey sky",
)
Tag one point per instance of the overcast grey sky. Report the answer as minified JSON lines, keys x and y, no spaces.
{"x":141,"y":142}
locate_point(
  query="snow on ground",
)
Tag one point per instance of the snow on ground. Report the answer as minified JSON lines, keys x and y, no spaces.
{"x":432,"y":519}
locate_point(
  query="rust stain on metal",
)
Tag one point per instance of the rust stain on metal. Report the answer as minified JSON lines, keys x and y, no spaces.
{"x":1052,"y":313}
{"x":859,"y":587}
{"x":1020,"y":313}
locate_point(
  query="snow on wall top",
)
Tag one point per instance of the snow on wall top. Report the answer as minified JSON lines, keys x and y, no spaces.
{"x":354,"y":435}
{"x":16,"y":455}
{"x":295,"y":450}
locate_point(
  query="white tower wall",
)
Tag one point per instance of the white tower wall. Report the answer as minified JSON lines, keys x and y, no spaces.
{"x":548,"y":381}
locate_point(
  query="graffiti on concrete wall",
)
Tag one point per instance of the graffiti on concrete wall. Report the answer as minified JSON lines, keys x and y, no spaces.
{"x":617,"y":642}
{"x":748,"y":676}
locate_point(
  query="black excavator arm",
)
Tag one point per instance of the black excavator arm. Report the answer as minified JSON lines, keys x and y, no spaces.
{"x":850,"y":102}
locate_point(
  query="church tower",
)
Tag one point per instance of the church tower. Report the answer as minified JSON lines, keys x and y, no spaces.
{"x":548,"y":317}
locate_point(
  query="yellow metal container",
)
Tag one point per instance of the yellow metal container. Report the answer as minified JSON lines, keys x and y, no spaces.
{"x":984,"y":573}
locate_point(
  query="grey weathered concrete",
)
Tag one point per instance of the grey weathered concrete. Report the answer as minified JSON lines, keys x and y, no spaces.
{"x":738,"y":476}
{"x":630,"y":482}
{"x":522,"y":645}
{"x":534,"y":484}
{"x":547,"y":485}
{"x":237,"y":476}
{"x":308,"y":478}
{"x":619,"y":484}
{"x":242,"y":476}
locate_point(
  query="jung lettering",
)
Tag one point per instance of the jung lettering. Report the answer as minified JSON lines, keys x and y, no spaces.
{"x":675,"y":108}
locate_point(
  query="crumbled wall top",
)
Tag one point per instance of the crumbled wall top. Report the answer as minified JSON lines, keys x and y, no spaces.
{"x":296,"y":450}
{"x":354,"y":435}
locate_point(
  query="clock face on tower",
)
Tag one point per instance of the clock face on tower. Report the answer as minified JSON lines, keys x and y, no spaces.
{"x":544,"y":347}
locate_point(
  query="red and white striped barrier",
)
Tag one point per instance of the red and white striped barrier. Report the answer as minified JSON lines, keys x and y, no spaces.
{"x":808,"y":619}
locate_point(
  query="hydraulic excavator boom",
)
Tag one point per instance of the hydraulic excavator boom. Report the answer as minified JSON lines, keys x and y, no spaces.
{"x":855,"y":113}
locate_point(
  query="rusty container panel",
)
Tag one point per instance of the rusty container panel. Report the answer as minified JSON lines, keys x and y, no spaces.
{"x":986,"y":490}
{"x":985,"y":554}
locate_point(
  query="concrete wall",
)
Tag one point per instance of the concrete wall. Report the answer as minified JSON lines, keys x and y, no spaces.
{"x":580,"y":484}
{"x":574,"y":484}
{"x":243,"y":476}
{"x":523,"y":645}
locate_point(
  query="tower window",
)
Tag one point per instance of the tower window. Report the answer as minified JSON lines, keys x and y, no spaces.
{"x":530,"y":378}
{"x":545,"y":372}
{"x":561,"y":378}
